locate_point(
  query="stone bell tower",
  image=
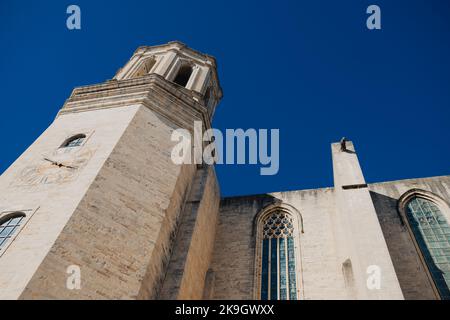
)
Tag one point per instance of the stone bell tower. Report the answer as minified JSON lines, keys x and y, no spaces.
{"x":98,"y":192}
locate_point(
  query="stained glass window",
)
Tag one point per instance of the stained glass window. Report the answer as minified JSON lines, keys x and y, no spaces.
{"x":8,"y":227}
{"x":278,"y":276}
{"x":432,"y":233}
{"x":265,"y":270}
{"x":75,"y":141}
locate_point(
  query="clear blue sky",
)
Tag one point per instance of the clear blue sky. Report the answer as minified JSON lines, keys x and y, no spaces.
{"x":310,"y":68}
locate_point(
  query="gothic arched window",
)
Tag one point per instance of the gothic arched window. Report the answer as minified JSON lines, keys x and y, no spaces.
{"x":9,"y":226}
{"x":183,"y":75}
{"x":431,"y":231}
{"x":278,"y":261}
{"x":74,"y":141}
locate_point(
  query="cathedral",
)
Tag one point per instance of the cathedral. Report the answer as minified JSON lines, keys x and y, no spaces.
{"x":96,"y":209}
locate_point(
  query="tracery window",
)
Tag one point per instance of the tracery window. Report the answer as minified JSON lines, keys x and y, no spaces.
{"x":432,"y":233}
{"x":278,"y":264}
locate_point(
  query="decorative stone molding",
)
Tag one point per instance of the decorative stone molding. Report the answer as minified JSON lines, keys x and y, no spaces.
{"x":171,"y":101}
{"x":168,"y":59}
{"x":408,"y":195}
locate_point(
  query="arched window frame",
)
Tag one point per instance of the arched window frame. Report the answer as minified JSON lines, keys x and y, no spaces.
{"x":6,"y":216}
{"x":66,"y":143}
{"x":443,"y":206}
{"x":258,"y":236}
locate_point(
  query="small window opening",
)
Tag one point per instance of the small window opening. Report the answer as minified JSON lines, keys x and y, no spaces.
{"x":9,"y":226}
{"x":145,"y":68}
{"x":74,"y":141}
{"x":183,"y":76}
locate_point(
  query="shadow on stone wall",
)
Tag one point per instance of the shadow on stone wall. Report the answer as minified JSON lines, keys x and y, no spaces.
{"x":411,"y":274}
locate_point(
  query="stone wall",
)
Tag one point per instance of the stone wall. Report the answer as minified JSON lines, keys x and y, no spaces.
{"x":186,"y":274}
{"x":360,"y":238}
{"x":120,"y":234}
{"x":410,"y":270}
{"x":234,"y":253}
{"x":53,"y":203}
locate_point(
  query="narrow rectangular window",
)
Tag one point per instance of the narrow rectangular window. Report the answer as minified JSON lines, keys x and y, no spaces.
{"x":265,"y":271}
{"x":283,"y":291}
{"x":273,"y":270}
{"x":291,"y":269}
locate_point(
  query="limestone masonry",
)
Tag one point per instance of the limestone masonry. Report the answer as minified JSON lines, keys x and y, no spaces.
{"x":98,"y":190}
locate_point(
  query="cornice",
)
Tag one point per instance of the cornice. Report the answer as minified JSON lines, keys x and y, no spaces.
{"x":175,"y":103}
